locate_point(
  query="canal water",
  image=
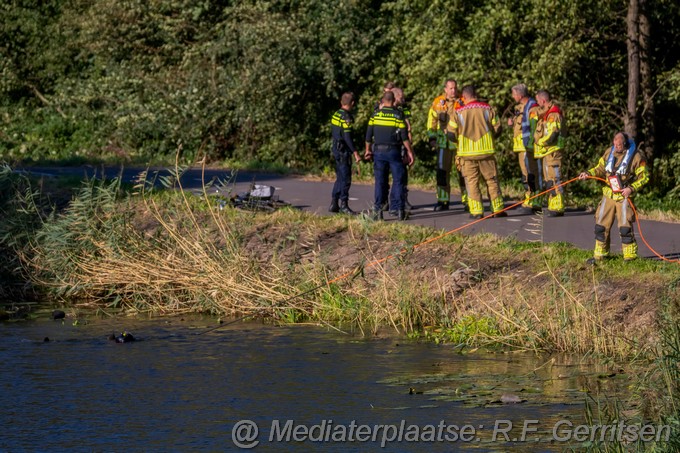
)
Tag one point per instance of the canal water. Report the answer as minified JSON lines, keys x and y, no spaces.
{"x":290,"y":388}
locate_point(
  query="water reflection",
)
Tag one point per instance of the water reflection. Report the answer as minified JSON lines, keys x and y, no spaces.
{"x":174,"y":390}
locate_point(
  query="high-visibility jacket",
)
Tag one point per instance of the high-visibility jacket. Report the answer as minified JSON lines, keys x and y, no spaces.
{"x":341,"y":131}
{"x":524,"y":125}
{"x":406,"y":111}
{"x":548,"y":136}
{"x":634,"y":174}
{"x":386,"y":129}
{"x":477,"y":126}
{"x":439,"y":121}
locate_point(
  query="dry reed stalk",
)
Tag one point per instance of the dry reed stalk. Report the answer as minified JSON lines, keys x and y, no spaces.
{"x":188,"y":268}
{"x":518,"y":327}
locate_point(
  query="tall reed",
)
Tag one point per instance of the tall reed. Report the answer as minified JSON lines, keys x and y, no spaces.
{"x":169,"y":251}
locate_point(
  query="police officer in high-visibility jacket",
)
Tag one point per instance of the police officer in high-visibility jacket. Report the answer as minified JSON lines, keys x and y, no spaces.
{"x":389,"y":86}
{"x":477,"y":126}
{"x":524,"y":125}
{"x":548,"y":146}
{"x":626,"y":171}
{"x":400,"y":104}
{"x":343,"y":148}
{"x":443,"y":140}
{"x":384,"y":138}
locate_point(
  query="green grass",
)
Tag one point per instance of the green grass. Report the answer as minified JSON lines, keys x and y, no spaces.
{"x":259,"y":165}
{"x":470,"y":329}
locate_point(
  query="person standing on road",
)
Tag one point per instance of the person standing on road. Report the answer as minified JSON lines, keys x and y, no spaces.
{"x":548,"y":145}
{"x":626,"y":171}
{"x":400,"y":104}
{"x":343,"y":149}
{"x":389,"y":86}
{"x":384,"y":138}
{"x":477,"y":126}
{"x":443,"y":140}
{"x":524,"y":125}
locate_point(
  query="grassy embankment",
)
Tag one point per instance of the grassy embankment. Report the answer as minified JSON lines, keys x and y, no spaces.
{"x":170,"y":252}
{"x":166,"y":251}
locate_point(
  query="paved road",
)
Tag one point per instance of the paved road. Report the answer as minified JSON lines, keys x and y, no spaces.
{"x":575,"y":227}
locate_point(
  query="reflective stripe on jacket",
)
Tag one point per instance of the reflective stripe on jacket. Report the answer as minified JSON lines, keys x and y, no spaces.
{"x":341,"y":130}
{"x":635,"y":178}
{"x":476,"y":125}
{"x":524,"y":126}
{"x":435,"y":123}
{"x":387,"y":127}
{"x":548,"y":135}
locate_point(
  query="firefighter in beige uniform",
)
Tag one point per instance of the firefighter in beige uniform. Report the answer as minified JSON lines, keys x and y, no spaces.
{"x":476,"y":126}
{"x":548,"y":146}
{"x":626,"y":171}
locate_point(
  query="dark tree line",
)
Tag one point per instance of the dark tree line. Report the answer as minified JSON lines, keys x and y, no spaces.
{"x":258,"y":80}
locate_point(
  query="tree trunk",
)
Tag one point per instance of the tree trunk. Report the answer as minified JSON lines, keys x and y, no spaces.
{"x":647,"y":84}
{"x":630,"y":122}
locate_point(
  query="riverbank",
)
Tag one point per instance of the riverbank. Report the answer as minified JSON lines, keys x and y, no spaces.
{"x":172,"y":252}
{"x":166,"y":252}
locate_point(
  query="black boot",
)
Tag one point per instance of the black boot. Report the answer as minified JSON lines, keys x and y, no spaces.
{"x":375,"y":215}
{"x":407,"y":205}
{"x":334,"y":207}
{"x":345,"y":209}
{"x":403,"y":215}
{"x":442,"y":206}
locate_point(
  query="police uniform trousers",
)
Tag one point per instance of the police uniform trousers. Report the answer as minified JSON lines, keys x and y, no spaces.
{"x":386,"y":161}
{"x":343,"y":173}
{"x":391,"y":195}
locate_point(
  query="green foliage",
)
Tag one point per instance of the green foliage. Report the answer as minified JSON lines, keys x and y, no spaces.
{"x":258,"y":80}
{"x":91,"y":222}
{"x":251,"y":81}
{"x":468,"y":330}
{"x":19,"y":219}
